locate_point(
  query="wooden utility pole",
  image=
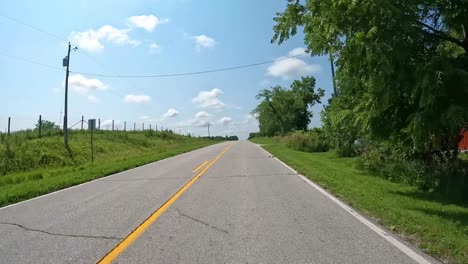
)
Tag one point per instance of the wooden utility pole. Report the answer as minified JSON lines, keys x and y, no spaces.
{"x":66,"y":62}
{"x":332,"y":64}
{"x":40,"y":126}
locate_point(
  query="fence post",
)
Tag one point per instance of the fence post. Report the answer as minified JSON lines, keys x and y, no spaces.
{"x":82,"y":119}
{"x":112,"y":124}
{"x":40,"y":126}
{"x":9,"y":122}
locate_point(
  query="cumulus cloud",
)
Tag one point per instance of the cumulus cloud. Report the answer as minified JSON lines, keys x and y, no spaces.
{"x":83,"y":85}
{"x":291,"y":68}
{"x":153,"y":48}
{"x":92,"y":99}
{"x":171,"y":113}
{"x":203,"y":41}
{"x":209,"y":99}
{"x":92,"y":40}
{"x":251,"y":119}
{"x":297,"y":52}
{"x":225,"y":121}
{"x":147,"y":22}
{"x":200,"y":119}
{"x":137,"y":98}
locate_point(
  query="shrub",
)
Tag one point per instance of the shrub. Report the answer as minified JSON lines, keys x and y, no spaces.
{"x":310,"y":141}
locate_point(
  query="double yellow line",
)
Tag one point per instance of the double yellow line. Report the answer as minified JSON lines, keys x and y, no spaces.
{"x":139,"y":230}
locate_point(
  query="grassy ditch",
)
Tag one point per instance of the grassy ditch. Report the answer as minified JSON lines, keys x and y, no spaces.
{"x":436,"y":225}
{"x":29,"y":168}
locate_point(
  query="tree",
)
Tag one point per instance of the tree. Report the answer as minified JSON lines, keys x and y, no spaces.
{"x":402,"y":68}
{"x":282,"y":110}
{"x":47,"y":125}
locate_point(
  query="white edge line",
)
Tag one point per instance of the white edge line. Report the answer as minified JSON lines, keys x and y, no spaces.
{"x":100,"y":178}
{"x":402,"y":247}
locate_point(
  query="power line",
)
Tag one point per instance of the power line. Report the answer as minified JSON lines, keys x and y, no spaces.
{"x":30,"y":61}
{"x":135,"y":76}
{"x":188,"y":73}
{"x":32,"y":27}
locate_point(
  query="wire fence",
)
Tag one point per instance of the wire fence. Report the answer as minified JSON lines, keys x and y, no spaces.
{"x":45,"y":128}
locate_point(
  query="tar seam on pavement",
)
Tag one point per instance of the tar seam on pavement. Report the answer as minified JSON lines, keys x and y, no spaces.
{"x":57,"y":234}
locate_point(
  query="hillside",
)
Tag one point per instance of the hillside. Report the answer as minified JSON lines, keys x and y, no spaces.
{"x":34,"y":166}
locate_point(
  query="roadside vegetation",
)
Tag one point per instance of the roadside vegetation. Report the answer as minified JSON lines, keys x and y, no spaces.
{"x":400,"y":90}
{"x":427,"y":219}
{"x":32,"y":166}
{"x":388,"y":144}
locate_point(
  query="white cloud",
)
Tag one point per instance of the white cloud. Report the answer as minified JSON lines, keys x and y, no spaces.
{"x":153,"y":48}
{"x":202,"y":115}
{"x":226,"y":121}
{"x":144,"y":117}
{"x":292,"y":67}
{"x":83,"y":85}
{"x":137,"y":98}
{"x":297,"y":52}
{"x":209,"y":99}
{"x":171,"y":113}
{"x":200,"y":119}
{"x":92,"y":99}
{"x":147,"y":22}
{"x":203,"y":41}
{"x":92,"y":40}
{"x":251,"y":119}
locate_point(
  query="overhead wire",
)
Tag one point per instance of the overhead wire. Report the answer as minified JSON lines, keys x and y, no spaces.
{"x":136,"y":76}
{"x":188,"y":73}
{"x":30,"y":61}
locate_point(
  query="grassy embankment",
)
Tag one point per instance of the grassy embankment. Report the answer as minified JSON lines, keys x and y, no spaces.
{"x":32,"y":167}
{"x":438,"y":226}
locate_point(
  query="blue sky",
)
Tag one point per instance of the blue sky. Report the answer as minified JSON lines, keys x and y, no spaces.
{"x":146,"y":38}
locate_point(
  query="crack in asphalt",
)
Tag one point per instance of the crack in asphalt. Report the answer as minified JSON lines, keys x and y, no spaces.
{"x":57,"y":234}
{"x":201,"y":222}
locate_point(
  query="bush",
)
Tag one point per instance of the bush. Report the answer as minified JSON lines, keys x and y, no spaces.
{"x":310,"y":141}
{"x":439,"y":172}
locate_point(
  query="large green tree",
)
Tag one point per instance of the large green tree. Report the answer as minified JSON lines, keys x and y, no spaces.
{"x":402,"y":67}
{"x":282,"y":110}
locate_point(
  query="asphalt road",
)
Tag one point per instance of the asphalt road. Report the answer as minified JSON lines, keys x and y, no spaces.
{"x":242,"y":206}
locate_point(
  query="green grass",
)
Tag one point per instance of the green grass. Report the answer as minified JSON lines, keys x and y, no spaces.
{"x":33,"y":167}
{"x":438,"y":226}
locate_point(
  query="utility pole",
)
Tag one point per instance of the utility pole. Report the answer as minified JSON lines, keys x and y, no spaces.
{"x":82,"y":120}
{"x":208,"y":129}
{"x":40,"y":126}
{"x":332,"y":64}
{"x":9,"y":122}
{"x":66,"y":62}
{"x":125,"y":125}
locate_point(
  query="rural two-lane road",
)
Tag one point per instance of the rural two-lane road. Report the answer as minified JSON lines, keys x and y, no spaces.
{"x":241,"y":206}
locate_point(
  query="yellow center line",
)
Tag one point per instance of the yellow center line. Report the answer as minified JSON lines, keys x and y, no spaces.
{"x":139,"y":230}
{"x":201,"y":166}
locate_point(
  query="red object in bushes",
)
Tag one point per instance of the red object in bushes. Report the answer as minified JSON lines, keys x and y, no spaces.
{"x":463,"y":145}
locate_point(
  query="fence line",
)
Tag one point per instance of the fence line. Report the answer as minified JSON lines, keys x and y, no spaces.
{"x":39,"y":126}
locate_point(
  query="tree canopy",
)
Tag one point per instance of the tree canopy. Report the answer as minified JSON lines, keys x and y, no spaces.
{"x":282,"y":110}
{"x":402,"y":67}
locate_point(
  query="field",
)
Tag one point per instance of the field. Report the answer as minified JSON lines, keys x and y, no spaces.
{"x":438,"y":226}
{"x":31,"y":166}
